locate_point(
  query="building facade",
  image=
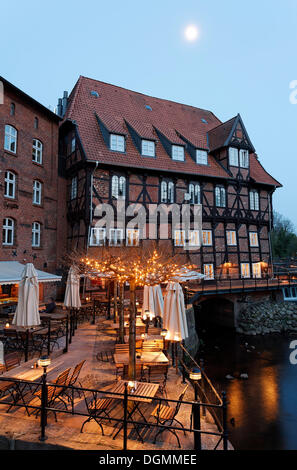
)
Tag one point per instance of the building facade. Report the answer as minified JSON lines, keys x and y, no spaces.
{"x":31,"y":193}
{"x":116,"y":144}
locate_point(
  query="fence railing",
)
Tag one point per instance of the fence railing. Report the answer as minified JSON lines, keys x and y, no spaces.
{"x":19,"y":393}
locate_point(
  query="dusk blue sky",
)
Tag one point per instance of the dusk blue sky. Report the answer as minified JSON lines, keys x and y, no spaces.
{"x":243,"y":61}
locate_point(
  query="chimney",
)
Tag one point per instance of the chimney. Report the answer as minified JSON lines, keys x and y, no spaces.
{"x":62,"y":104}
{"x":59,"y":107}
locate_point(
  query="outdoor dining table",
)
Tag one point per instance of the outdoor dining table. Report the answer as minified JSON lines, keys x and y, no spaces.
{"x":146,"y":358}
{"x":144,"y":393}
{"x":147,"y":338}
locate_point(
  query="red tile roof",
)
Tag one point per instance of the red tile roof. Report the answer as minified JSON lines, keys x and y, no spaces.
{"x":115,"y":106}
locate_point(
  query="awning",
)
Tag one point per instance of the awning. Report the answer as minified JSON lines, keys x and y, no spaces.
{"x":11,"y":273}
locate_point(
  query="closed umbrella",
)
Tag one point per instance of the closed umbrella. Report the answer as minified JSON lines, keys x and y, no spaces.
{"x":174,"y":320}
{"x":72,"y":298}
{"x":153,"y":300}
{"x":27,"y":314}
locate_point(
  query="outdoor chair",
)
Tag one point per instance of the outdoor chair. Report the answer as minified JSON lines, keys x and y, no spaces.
{"x":158,"y":374}
{"x":154,"y":331}
{"x":98,"y":409}
{"x":55,"y":391}
{"x":149,"y":346}
{"x":140,"y":373}
{"x":71,"y":381}
{"x":166,"y":415}
{"x":11,"y":360}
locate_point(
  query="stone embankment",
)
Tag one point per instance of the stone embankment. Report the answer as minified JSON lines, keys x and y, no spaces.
{"x":262,"y":318}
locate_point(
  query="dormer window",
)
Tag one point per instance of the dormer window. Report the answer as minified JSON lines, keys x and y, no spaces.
{"x":147,"y":148}
{"x":178,"y":153}
{"x":233,"y":156}
{"x":244,"y":158}
{"x":201,"y":157}
{"x":117,"y":142}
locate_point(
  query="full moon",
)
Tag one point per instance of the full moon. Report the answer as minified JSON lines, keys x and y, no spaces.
{"x":191,"y":33}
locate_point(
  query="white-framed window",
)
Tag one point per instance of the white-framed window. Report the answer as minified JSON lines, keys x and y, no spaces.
{"x":245,"y":270}
{"x":10,"y":138}
{"x":233,"y":156}
{"x":208,"y":271}
{"x":132,"y":237}
{"x":206,"y":237}
{"x":231,"y":237}
{"x":256,"y":270}
{"x":178,"y":152}
{"x":73,"y":191}
{"x":115,"y":236}
{"x":290,"y":293}
{"x":37,"y":192}
{"x":37,"y":149}
{"x":117,"y":142}
{"x":201,"y":157}
{"x":118,"y":186}
{"x":254,"y":239}
{"x":36,"y":234}
{"x":9,"y":184}
{"x":179,"y":238}
{"x":167,"y":192}
{"x":8,"y":231}
{"x":97,"y":236}
{"x":194,"y":238}
{"x":244,"y":158}
{"x":195,"y":193}
{"x":220,"y":196}
{"x":254,"y":200}
{"x":148,"y":148}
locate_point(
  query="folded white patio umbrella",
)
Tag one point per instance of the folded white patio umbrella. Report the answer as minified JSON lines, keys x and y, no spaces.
{"x":2,"y":353}
{"x":27,"y":313}
{"x":174,"y":319}
{"x":72,"y":298}
{"x":184,"y":275}
{"x":153,"y":300}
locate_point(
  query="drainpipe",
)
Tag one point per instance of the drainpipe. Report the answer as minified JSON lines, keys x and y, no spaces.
{"x":91,"y":216}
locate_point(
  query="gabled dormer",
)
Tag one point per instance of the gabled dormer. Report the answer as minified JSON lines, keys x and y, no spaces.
{"x":113,"y":133}
{"x":172,"y":143}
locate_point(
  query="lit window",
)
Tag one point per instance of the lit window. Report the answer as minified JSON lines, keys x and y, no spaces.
{"x":233,"y":156}
{"x":244,"y":158}
{"x":117,"y":142}
{"x":254,"y":239}
{"x":179,"y":238}
{"x":10,"y":184}
{"x":118,"y":186}
{"x":245,"y":270}
{"x":10,"y":139}
{"x":132,"y":237}
{"x":208,"y":271}
{"x":167,"y":192}
{"x":8,"y":231}
{"x":194,"y":238}
{"x":115,"y":237}
{"x":194,"y":191}
{"x":206,"y":237}
{"x":148,"y":148}
{"x":254,"y":200}
{"x":37,"y":151}
{"x":220,"y":194}
{"x":37,"y":192}
{"x":178,"y":153}
{"x":98,"y":236}
{"x":36,"y":232}
{"x":73,"y":194}
{"x":256,"y":270}
{"x":231,"y":237}
{"x":201,"y":157}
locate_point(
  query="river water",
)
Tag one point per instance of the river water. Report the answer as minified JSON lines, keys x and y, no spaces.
{"x":264,"y":406}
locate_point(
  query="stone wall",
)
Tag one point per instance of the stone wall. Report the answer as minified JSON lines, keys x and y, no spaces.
{"x":264,"y":317}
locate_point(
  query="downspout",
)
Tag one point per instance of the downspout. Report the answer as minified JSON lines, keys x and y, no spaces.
{"x":91,"y":216}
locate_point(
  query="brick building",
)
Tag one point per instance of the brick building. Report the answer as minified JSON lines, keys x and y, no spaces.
{"x":32,"y":209}
{"x":118,"y":143}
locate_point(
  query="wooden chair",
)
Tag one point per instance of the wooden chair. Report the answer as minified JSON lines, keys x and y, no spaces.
{"x":55,"y":391}
{"x":71,"y":381}
{"x":158,"y":374}
{"x":153,"y":345}
{"x":11,"y":360}
{"x":121,"y":348}
{"x":140,"y":372}
{"x":153,"y":330}
{"x":166,"y":415}
{"x":98,"y":409}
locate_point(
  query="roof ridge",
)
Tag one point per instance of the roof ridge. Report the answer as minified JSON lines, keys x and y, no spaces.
{"x":222,"y":123}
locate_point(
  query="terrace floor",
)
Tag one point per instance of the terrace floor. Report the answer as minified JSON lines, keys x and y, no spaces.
{"x":23,"y":431}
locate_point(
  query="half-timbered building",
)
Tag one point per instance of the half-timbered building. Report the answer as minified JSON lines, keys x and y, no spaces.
{"x":120,"y":144}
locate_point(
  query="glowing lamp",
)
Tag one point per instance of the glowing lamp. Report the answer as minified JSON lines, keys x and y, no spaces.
{"x":177,"y":337}
{"x":195,"y":374}
{"x":164,"y":332}
{"x":132,"y":386}
{"x":7,"y":325}
{"x":44,"y":361}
